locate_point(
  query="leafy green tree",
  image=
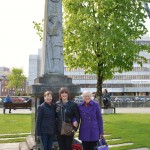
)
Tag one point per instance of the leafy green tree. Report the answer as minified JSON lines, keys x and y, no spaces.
{"x":100,"y":36}
{"x":16,"y":79}
{"x":39,"y":29}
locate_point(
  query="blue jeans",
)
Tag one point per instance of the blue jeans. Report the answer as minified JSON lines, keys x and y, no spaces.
{"x":47,"y":140}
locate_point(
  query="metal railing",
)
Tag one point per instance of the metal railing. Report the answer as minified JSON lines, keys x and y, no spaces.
{"x":130,"y":101}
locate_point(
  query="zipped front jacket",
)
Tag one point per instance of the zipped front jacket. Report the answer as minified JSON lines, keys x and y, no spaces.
{"x":67,"y":113}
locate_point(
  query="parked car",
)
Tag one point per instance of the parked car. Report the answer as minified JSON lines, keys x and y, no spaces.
{"x":148,"y":99}
{"x":119,"y":99}
{"x":136,"y":98}
{"x":142,"y":98}
{"x":127,"y":99}
{"x":78,"y":99}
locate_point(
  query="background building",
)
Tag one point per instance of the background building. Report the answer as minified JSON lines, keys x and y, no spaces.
{"x":4,"y":72}
{"x":34,"y":67}
{"x":135,"y":82}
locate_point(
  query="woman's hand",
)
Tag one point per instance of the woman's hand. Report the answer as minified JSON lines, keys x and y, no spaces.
{"x":75,"y":124}
{"x":101,"y":136}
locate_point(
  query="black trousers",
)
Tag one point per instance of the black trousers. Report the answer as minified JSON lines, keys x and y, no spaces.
{"x":105,"y":103}
{"x":89,"y":145}
{"x":65,"y":142}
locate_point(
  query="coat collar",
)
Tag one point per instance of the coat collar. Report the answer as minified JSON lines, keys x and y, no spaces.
{"x":47,"y":104}
{"x":90,"y":103}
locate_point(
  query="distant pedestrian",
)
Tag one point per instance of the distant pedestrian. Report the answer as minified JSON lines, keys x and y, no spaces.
{"x":106,"y":98}
{"x":8,"y":100}
{"x":45,"y":125}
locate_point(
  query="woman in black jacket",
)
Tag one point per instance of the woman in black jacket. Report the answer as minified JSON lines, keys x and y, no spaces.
{"x":66,"y":110}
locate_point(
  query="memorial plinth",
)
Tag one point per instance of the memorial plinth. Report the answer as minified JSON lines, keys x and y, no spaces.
{"x":53,"y":82}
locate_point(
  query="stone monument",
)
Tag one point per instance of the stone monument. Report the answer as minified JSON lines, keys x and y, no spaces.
{"x":52,"y":67}
{"x":53,"y":61}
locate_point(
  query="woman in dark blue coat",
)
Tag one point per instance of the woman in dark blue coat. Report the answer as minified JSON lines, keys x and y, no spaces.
{"x":45,"y":125}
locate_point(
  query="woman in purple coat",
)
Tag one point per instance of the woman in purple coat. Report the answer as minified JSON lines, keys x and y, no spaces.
{"x":91,"y":127}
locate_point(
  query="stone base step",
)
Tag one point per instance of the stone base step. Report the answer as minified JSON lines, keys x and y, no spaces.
{"x":23,"y":146}
{"x":29,"y":144}
{"x":31,"y":141}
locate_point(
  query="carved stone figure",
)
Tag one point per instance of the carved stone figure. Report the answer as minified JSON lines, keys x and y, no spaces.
{"x":53,"y":42}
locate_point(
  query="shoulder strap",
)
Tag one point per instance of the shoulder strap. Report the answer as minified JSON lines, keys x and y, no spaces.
{"x":63,"y":112}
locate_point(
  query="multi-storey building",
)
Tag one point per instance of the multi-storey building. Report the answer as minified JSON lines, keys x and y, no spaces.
{"x":34,"y":67}
{"x":135,"y":82}
{"x":4,"y":72}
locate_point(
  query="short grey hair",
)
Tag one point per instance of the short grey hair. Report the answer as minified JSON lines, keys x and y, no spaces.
{"x":87,"y":92}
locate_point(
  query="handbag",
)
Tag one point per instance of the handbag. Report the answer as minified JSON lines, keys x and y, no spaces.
{"x":102,"y":145}
{"x":66,"y":128}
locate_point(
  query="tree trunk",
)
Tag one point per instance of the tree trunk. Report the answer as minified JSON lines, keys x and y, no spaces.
{"x":99,"y":88}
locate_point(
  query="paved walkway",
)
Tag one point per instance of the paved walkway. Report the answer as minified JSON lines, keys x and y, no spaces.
{"x":144,"y":110}
{"x":17,"y":111}
{"x":9,"y":146}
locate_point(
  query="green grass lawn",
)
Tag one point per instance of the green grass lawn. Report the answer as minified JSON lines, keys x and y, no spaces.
{"x":13,"y":124}
{"x":132,"y":128}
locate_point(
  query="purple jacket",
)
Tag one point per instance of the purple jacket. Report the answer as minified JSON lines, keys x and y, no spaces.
{"x":91,"y":122}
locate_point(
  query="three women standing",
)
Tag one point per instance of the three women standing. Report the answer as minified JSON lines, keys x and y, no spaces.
{"x":91,"y":126}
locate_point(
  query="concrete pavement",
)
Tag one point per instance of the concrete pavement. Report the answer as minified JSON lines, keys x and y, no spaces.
{"x":9,"y":146}
{"x":143,"y":110}
{"x":17,"y":111}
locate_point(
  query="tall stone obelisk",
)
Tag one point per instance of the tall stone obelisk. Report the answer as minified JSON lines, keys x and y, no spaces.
{"x":52,"y":67}
{"x":53,"y":61}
